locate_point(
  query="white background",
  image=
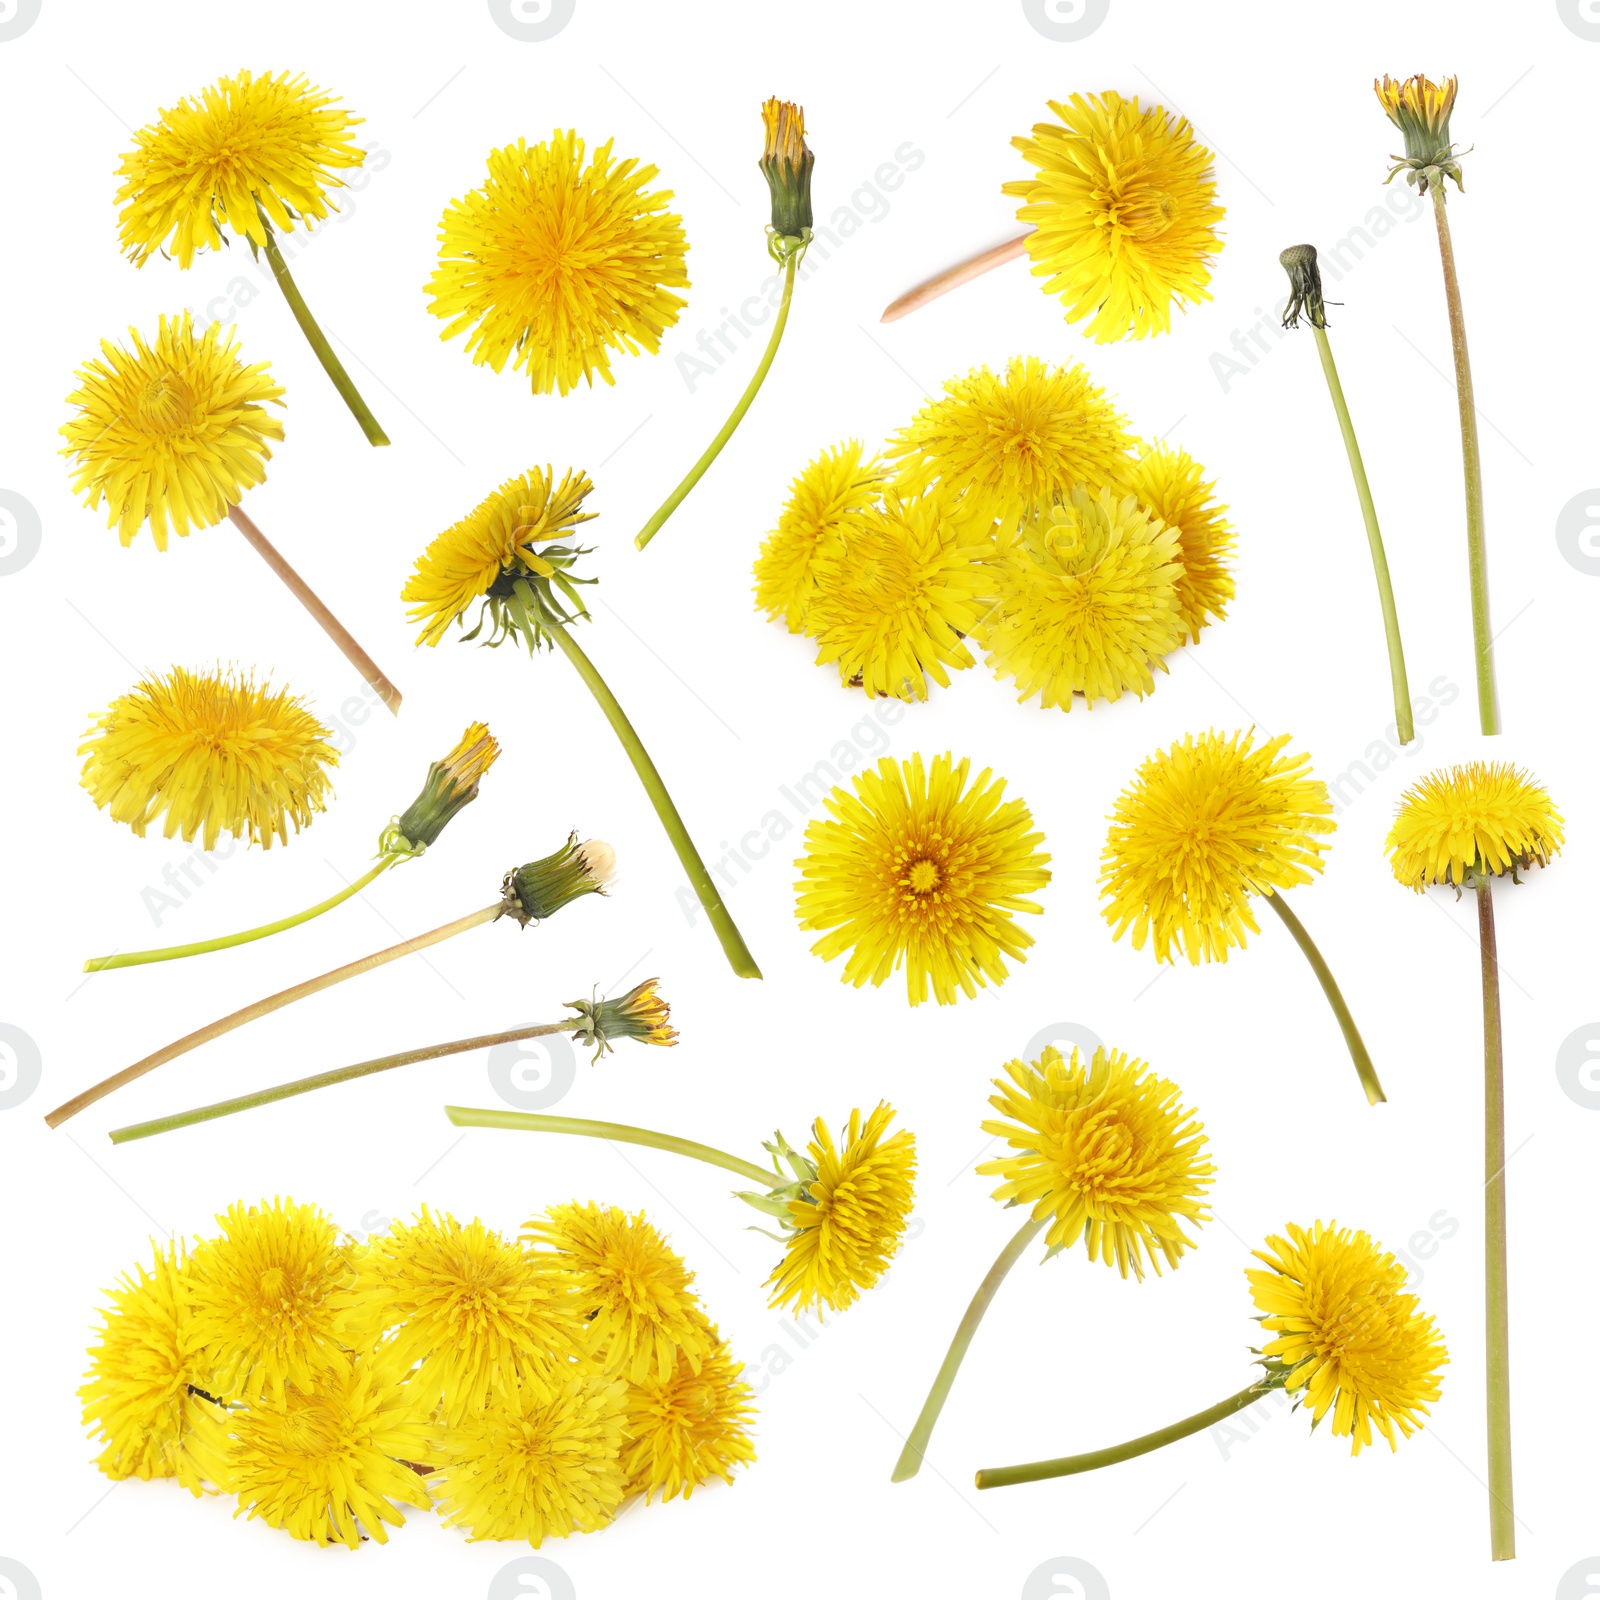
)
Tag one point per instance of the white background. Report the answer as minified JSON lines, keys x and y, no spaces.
{"x":1071,"y":1357}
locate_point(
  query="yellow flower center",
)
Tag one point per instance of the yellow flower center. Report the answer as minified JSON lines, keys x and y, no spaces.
{"x":924,"y":877}
{"x":310,"y":1425}
{"x":166,"y":405}
{"x":271,"y":1283}
{"x":1147,"y":215}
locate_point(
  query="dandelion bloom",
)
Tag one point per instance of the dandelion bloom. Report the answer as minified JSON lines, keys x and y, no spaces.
{"x":1107,"y":1152}
{"x":917,"y":867}
{"x":1124,"y":211}
{"x":553,"y":264}
{"x":1420,"y":109}
{"x":688,"y":1427}
{"x":1486,"y":817}
{"x":1171,"y":485}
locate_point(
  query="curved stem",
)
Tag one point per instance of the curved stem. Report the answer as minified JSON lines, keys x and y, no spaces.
{"x":325,"y":1080}
{"x":1496,"y":1298}
{"x":1380,"y":562}
{"x":618,"y":1132}
{"x":325,"y":619}
{"x":331,"y":364}
{"x":714,"y":449}
{"x":1472,"y":475}
{"x":1065,"y":1466}
{"x":953,"y":277}
{"x":262,"y":1008}
{"x":201,"y":947}
{"x":917,"y":1442}
{"x":733,"y":945}
{"x":1347,"y":1023}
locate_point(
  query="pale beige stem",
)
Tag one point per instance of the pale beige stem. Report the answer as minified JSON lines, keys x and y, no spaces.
{"x":954,"y":277}
{"x":330,"y":624}
{"x":262,"y":1008}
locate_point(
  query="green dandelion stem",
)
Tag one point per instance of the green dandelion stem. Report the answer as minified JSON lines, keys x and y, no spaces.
{"x":201,"y":947}
{"x":911,"y":1457}
{"x":714,"y":449}
{"x":1347,"y":1023}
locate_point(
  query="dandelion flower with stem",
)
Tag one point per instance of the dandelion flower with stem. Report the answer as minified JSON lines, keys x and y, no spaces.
{"x":254,"y":154}
{"x":1351,"y":1346}
{"x":503,"y":557}
{"x":786,"y":162}
{"x":1122,"y":215}
{"x":1462,"y":829}
{"x":682,"y":1430}
{"x":173,"y":432}
{"x":1102,"y":1152}
{"x":1421,"y":109}
{"x":1207,"y":826}
{"x":1305,"y":284}
{"x":528,"y":894}
{"x":918,"y":866}
{"x":842,"y":1206}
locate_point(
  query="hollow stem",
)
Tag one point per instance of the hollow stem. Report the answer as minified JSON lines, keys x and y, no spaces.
{"x":326,"y":1080}
{"x":1065,"y":1466}
{"x":1380,"y":562}
{"x":953,"y":277}
{"x":262,"y":1008}
{"x":733,"y":945}
{"x":1497,"y":1337}
{"x":1472,"y":475}
{"x":617,"y":1132}
{"x":714,"y":449}
{"x":330,"y":624}
{"x":1347,"y":1024}
{"x":201,"y":947}
{"x":331,"y":364}
{"x":910,"y":1461}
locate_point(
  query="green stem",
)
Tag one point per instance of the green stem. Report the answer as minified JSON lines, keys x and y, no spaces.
{"x":1472,"y":474}
{"x":917,"y":1443}
{"x":1065,"y":1466}
{"x":201,"y":947}
{"x":1347,"y":1023}
{"x":714,"y":449}
{"x":1497,"y":1351}
{"x":733,"y":945}
{"x":331,"y":364}
{"x":1380,"y":562}
{"x":325,"y":1080}
{"x":618,"y":1132}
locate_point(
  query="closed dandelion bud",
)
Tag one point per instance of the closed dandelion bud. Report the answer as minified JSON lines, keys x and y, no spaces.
{"x":786,"y":162}
{"x":541,"y":888}
{"x":1420,"y":109}
{"x":451,"y":784}
{"x":640,"y":1014}
{"x":1305,"y":286}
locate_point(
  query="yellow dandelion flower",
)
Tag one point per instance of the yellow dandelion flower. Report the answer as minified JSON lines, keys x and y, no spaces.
{"x":688,"y":1427}
{"x":1204,"y":825}
{"x":171,"y":433}
{"x":262,"y":1299}
{"x":642,"y":1014}
{"x":1014,"y":441}
{"x":896,"y":593}
{"x":1350,"y":1336}
{"x":631,"y":1288}
{"x":451,"y":784}
{"x":552,"y":264}
{"x":786,"y":163}
{"x":268,"y":141}
{"x":329,"y":1463}
{"x":916,"y":866}
{"x":473,"y":1311}
{"x":1420,"y":109}
{"x":1123,"y":209}
{"x":498,"y":537}
{"x":837,"y":483}
{"x":212,"y":752}
{"x":543,"y":1461}
{"x":1458,"y":826}
{"x":1107,"y":1152}
{"x":848,"y":1220}
{"x":1171,"y":485}
{"x":1086,"y":601}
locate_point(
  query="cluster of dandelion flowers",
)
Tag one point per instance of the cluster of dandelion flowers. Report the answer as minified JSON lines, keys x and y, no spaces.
{"x":922,"y":868}
{"x":555,"y":263}
{"x":206,"y":754}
